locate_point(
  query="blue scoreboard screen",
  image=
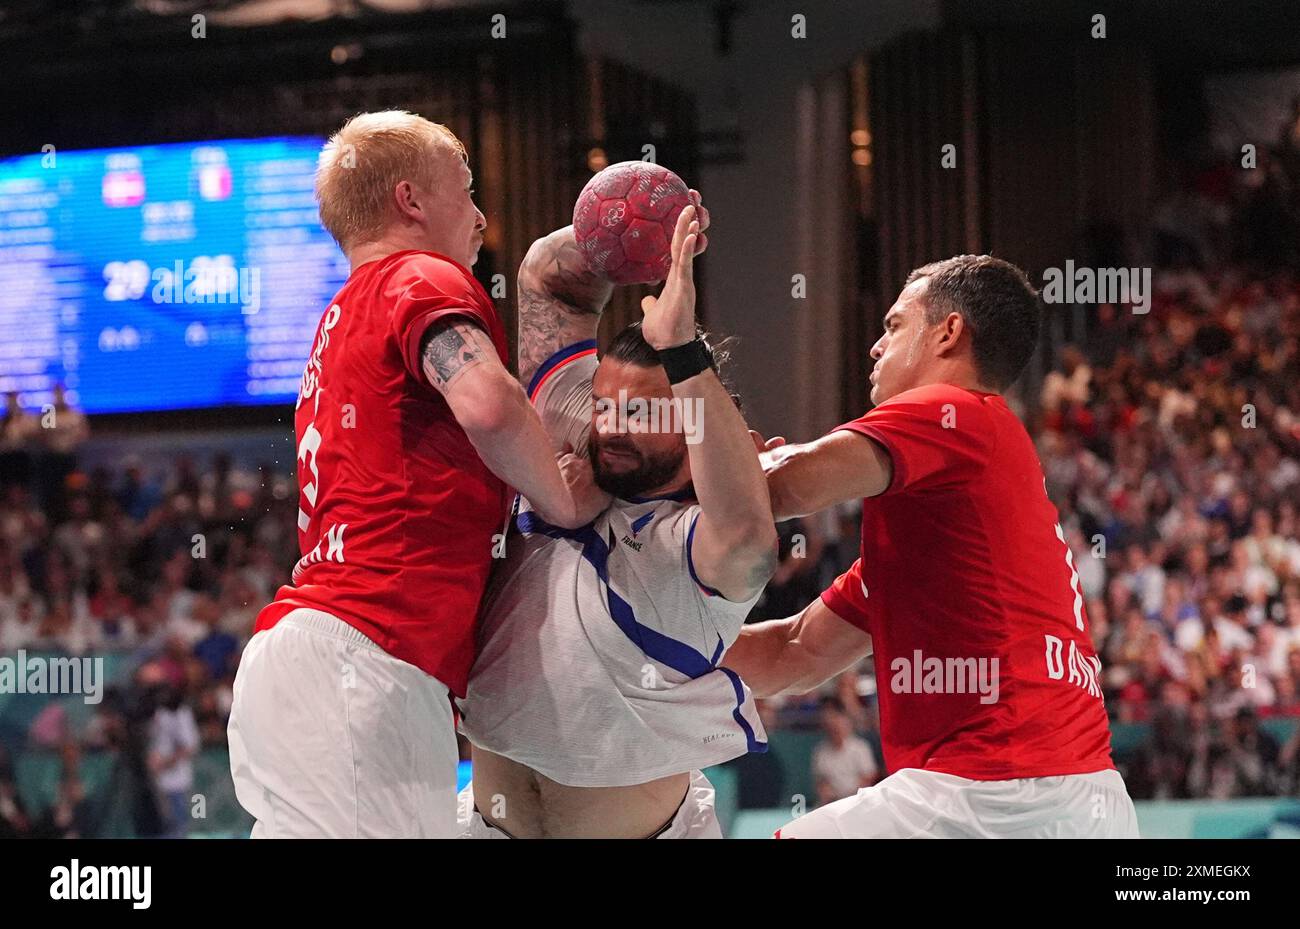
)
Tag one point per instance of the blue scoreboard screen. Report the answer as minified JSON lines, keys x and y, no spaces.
{"x":162,"y":276}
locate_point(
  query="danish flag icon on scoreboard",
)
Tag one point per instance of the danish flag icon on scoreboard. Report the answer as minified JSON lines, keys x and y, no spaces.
{"x":123,"y":188}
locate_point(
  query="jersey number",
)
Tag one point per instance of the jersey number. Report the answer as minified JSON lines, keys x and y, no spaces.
{"x":307,"y":450}
{"x":1075,"y":584}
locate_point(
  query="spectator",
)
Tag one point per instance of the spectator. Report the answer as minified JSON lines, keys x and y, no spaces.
{"x":760,"y":776}
{"x":18,"y":434}
{"x":174,"y":740}
{"x":842,"y":763}
{"x":64,"y":430}
{"x":13,"y":816}
{"x":797,"y":579}
{"x":1253,"y":754}
{"x":217,"y":649}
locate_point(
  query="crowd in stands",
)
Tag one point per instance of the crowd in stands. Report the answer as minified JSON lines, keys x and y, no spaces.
{"x":1172,"y":449}
{"x":166,"y":566}
{"x":1171,"y":445}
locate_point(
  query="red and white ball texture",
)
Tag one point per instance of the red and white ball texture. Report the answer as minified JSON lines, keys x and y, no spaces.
{"x":624,"y":220}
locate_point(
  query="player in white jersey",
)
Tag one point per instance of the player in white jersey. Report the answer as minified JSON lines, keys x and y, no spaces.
{"x":596,"y":696}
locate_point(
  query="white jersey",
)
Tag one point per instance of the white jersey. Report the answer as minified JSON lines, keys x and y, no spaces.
{"x":598,"y":648}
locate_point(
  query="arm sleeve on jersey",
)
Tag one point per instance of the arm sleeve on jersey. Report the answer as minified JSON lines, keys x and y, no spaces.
{"x":727,"y":615}
{"x":847,"y":599}
{"x":933,"y":441}
{"x":690,"y":560}
{"x":561,"y":392}
{"x":424,"y":291}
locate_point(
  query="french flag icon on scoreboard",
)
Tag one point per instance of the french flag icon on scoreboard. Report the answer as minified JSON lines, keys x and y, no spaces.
{"x":123,"y":188}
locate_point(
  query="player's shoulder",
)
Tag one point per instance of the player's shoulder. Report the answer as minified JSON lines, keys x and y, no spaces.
{"x":940,"y":394}
{"x":948,"y":405}
{"x":423,"y":279}
{"x":407,"y":266}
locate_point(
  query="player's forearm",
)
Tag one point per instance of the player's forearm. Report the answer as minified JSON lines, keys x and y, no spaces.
{"x":735,"y":539}
{"x":792,"y":483}
{"x":797,"y":654}
{"x":728,"y":478}
{"x":461,"y":363}
{"x":513,"y":444}
{"x":761,"y":656}
{"x":560,"y":299}
{"x":807,"y":478}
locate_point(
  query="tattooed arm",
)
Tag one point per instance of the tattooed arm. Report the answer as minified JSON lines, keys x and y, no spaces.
{"x":461,"y":363}
{"x":560,"y":300}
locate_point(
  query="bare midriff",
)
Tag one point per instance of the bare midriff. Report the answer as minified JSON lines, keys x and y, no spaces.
{"x":527,"y":805}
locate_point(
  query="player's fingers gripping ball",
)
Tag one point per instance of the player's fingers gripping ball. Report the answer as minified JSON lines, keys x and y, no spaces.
{"x":624,"y":220}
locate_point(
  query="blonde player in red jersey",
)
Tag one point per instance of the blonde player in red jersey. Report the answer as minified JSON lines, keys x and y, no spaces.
{"x":991,"y":714}
{"x":411,"y":433}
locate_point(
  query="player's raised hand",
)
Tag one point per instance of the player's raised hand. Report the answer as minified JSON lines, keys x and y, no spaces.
{"x":703,"y":218}
{"x":670,"y":318}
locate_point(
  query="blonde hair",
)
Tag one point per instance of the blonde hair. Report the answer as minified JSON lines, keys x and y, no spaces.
{"x":363,"y":161}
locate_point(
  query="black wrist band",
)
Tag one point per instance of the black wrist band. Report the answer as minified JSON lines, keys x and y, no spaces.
{"x":683,"y":361}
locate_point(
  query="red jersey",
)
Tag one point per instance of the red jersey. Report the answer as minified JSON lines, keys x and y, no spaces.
{"x":984,"y":665}
{"x":396,"y":510}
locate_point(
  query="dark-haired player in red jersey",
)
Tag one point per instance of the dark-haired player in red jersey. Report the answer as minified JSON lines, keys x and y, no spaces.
{"x":991,"y":713}
{"x":410,"y":433}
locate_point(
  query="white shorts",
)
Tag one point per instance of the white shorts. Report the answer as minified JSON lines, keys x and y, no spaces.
{"x":916,"y":804}
{"x":332,"y":737}
{"x":696,"y":818}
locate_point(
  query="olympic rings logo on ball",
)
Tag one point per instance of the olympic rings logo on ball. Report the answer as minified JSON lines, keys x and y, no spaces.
{"x":614,"y":215}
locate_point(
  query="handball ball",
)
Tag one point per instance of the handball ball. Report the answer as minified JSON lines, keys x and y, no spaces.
{"x":624,"y":221}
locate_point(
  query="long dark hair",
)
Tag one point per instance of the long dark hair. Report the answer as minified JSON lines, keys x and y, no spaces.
{"x":630,"y":347}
